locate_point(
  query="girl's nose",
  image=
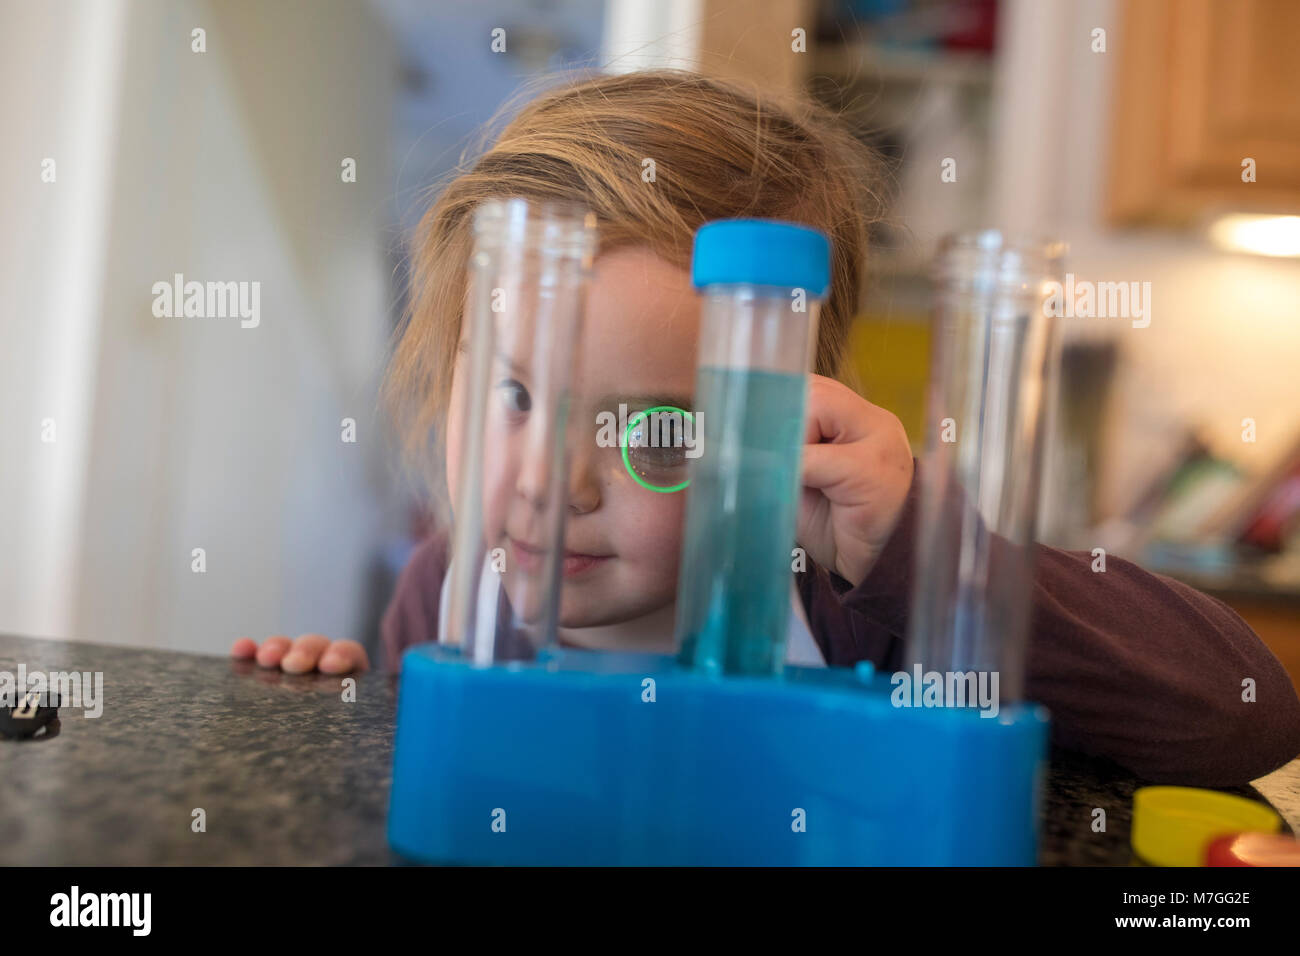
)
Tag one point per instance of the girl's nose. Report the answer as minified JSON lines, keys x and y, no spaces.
{"x":541,"y":462}
{"x":584,"y":474}
{"x":536,"y":468}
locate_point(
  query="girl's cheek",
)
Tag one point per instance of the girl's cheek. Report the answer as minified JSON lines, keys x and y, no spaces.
{"x":455,"y":417}
{"x":453,"y":462}
{"x":649,"y":530}
{"x":499,"y":477}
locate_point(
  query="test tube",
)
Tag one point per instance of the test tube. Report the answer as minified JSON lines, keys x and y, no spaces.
{"x":993,"y":363}
{"x":762,"y":283}
{"x":526,"y":292}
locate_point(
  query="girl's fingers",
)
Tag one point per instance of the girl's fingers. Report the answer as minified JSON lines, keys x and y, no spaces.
{"x":824,"y":466}
{"x":304,"y":654}
{"x":272,"y":649}
{"x":344,"y":656}
{"x":308,"y":652}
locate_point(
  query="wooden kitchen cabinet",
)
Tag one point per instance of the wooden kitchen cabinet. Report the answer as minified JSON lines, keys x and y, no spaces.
{"x":1199,"y":86}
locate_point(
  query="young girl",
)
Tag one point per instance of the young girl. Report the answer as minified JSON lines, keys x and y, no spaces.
{"x":1132,"y":666}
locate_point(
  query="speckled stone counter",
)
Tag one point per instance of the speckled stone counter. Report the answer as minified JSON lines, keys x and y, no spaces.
{"x":288,"y":772}
{"x":1077,"y":785}
{"x":285,"y":771}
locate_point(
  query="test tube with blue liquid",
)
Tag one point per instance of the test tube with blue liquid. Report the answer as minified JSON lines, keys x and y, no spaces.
{"x":762,"y":283}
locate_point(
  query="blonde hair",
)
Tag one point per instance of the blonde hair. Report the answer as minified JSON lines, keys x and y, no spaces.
{"x":721,"y":151}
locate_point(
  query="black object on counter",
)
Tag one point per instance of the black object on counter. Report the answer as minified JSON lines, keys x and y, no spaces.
{"x":32,"y":712}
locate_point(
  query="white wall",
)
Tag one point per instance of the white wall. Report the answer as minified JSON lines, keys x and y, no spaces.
{"x":59,"y":81}
{"x":202,"y":434}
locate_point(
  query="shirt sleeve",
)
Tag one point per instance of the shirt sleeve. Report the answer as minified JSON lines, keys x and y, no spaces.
{"x":412,"y":614}
{"x":1133,"y":666}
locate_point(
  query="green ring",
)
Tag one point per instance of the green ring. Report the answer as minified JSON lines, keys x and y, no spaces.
{"x":628,"y":465}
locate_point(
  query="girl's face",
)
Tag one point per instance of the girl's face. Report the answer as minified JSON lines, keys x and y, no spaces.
{"x":622,"y":540}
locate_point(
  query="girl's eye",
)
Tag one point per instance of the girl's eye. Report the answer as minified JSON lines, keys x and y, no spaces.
{"x":657,"y":459}
{"x":657,"y":445}
{"x":515,"y":396}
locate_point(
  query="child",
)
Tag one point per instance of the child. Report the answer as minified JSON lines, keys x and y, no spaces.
{"x":1133,"y":666}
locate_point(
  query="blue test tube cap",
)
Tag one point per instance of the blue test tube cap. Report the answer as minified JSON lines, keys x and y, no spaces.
{"x":761,"y":252}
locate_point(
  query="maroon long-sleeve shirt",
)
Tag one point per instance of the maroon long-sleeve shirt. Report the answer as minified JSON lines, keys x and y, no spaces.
{"x":1133,"y":666}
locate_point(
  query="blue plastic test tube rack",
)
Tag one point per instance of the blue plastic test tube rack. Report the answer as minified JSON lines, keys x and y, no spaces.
{"x":585,"y":758}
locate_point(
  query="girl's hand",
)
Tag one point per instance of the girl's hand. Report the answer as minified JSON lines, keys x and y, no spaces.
{"x":308,"y":652}
{"x":857,"y":469}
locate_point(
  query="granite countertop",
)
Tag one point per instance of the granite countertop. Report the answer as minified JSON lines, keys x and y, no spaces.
{"x":285,"y":770}
{"x":288,"y":772}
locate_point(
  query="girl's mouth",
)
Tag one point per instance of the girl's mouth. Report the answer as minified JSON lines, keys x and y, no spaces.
{"x":529,"y":559}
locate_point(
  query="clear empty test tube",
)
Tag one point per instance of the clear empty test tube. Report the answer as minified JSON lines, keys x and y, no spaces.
{"x":528,"y":275}
{"x":762,"y":283}
{"x":994,"y":357}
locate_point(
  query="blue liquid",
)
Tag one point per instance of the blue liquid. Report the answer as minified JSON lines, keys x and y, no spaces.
{"x":733,"y":591}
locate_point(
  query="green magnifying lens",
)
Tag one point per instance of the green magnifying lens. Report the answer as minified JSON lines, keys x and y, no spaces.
{"x":657,"y":463}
